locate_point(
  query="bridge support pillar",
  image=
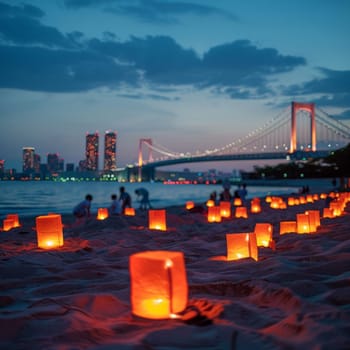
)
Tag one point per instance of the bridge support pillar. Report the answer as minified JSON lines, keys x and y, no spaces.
{"x":309,"y":107}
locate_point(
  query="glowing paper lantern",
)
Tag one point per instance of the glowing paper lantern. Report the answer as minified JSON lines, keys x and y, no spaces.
{"x":241,"y":245}
{"x":268,"y":199}
{"x":314,"y":216}
{"x":129,"y":211}
{"x":263,"y":233}
{"x":303,"y":223}
{"x":302,"y":200}
{"x":255,"y":206}
{"x":189,"y":205}
{"x":323,"y":196}
{"x":237,"y":202}
{"x":315,"y":197}
{"x":309,"y":198}
{"x":15,"y":219}
{"x":159,"y":287}
{"x":210,"y":203}
{"x":49,"y":231}
{"x":225,"y":209}
{"x":214,"y":214}
{"x":337,"y":210}
{"x":102,"y":213}
{"x":241,"y":212}
{"x":288,"y":227}
{"x":8,"y":224}
{"x":157,"y":219}
{"x":291,"y":201}
{"x":328,"y":213}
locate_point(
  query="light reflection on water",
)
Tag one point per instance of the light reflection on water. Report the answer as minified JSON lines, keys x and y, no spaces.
{"x":39,"y":198}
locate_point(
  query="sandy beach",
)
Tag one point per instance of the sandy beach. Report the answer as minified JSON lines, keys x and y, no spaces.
{"x":78,"y":296}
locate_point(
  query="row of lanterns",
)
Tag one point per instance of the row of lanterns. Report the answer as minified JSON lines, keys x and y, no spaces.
{"x":159,"y":287}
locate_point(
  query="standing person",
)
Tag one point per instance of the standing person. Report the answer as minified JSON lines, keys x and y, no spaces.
{"x":124,"y":198}
{"x":243,"y":192}
{"x":116,"y":206}
{"x":82,"y":210}
{"x":144,"y":202}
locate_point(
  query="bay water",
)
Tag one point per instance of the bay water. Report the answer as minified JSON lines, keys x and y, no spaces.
{"x":31,"y":198}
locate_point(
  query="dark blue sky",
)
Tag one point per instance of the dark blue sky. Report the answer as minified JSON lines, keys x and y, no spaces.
{"x":191,"y":74}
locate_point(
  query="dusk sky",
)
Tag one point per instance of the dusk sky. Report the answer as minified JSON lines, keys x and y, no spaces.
{"x":189,"y":74}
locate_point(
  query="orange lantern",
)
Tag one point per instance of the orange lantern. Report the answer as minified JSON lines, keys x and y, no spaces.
{"x":49,"y":231}
{"x":315,"y":197}
{"x":157,"y":219}
{"x":328,"y":213}
{"x":263,"y":233}
{"x":241,"y":245}
{"x":309,"y":198}
{"x":314,"y":215}
{"x":323,"y":196}
{"x":283,"y":205}
{"x":255,"y":206}
{"x":288,"y":227}
{"x":159,"y":286}
{"x":214,"y":214}
{"x":8,"y":224}
{"x":189,"y":205}
{"x":237,"y":202}
{"x":268,"y":199}
{"x":241,"y":212}
{"x":303,"y":225}
{"x":291,"y":201}
{"x":15,"y":219}
{"x":337,"y":211}
{"x":302,"y":200}
{"x":225,"y":209}
{"x":296,"y":201}
{"x":102,"y":213}
{"x":129,"y":211}
{"x":210,"y":203}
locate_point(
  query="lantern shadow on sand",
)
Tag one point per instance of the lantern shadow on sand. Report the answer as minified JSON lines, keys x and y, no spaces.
{"x":49,"y":231}
{"x":241,"y":245}
{"x":159,"y":288}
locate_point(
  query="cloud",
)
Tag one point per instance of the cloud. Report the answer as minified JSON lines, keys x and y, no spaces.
{"x":41,"y":58}
{"x":343,"y":116}
{"x":333,"y":86}
{"x":41,"y":69}
{"x":161,"y":11}
{"x":23,"y":10}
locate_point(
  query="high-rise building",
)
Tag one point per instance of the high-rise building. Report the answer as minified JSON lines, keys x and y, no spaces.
{"x":91,"y":152}
{"x":110,"y":151}
{"x":53,"y":162}
{"x":28,"y":160}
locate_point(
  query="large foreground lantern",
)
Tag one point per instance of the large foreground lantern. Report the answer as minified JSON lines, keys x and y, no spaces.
{"x":263,"y":233}
{"x":49,"y":230}
{"x":157,"y":219}
{"x":159,"y":287}
{"x":241,"y":245}
{"x":102,"y":213}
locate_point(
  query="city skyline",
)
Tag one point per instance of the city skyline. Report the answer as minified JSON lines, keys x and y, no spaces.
{"x":191,"y":75}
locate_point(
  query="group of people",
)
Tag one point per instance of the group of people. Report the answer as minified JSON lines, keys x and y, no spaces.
{"x":118,"y":204}
{"x":241,"y":192}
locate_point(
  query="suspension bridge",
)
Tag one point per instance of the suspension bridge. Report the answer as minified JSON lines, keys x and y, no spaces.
{"x":299,"y":131}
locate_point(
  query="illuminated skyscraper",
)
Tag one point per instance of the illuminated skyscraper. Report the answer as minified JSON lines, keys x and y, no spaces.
{"x":110,"y":158}
{"x":28,"y":160}
{"x":91,"y":152}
